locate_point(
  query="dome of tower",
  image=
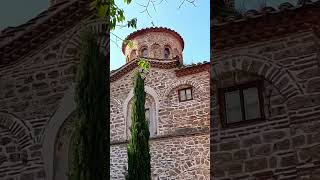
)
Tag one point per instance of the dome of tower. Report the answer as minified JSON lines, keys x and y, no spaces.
{"x":154,"y":43}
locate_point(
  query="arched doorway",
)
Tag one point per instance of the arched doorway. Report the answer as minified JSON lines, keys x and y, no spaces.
{"x":63,"y":149}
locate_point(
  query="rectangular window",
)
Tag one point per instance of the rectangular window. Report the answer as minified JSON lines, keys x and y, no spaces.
{"x":185,"y":94}
{"x":241,"y":103}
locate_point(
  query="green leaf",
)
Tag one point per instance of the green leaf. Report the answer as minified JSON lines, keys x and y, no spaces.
{"x":102,"y":11}
{"x":144,"y":64}
{"x":132,"y":23}
{"x":130,"y":43}
{"x":127,"y":1}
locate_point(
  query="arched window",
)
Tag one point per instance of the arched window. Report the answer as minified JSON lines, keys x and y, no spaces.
{"x":144,"y":52}
{"x":133,"y":54}
{"x":166,"y":53}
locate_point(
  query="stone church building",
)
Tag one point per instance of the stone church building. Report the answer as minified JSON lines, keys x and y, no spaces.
{"x":261,"y":91}
{"x":38,"y":61}
{"x":265,"y":94}
{"x":177,"y":107}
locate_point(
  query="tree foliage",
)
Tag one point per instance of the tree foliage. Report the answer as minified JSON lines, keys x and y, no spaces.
{"x":139,"y":167}
{"x":91,"y":136}
{"x":111,"y":13}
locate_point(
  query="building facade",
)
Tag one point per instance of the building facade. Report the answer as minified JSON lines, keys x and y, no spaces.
{"x":38,"y":62}
{"x":177,"y":107}
{"x":265,"y":95}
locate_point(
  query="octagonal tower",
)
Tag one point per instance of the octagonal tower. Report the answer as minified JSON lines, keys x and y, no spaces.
{"x":154,"y":43}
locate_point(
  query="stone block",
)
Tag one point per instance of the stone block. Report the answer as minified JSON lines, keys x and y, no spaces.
{"x":281,"y":145}
{"x":10,"y":149}
{"x":298,"y":141}
{"x":260,"y":150}
{"x":3,"y":158}
{"x":273,"y":136}
{"x":240,"y":155}
{"x":53,"y":74}
{"x":40,"y":76}
{"x":273,"y":162}
{"x":27,"y":176}
{"x":234,"y":168}
{"x":220,"y":158}
{"x":310,"y":153}
{"x":255,"y":164}
{"x":288,"y":161}
{"x":5,"y":140}
{"x":251,"y":141}
{"x":230,"y":146}
{"x":14,"y":157}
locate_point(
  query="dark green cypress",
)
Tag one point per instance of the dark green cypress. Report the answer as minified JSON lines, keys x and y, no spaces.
{"x":91,"y":136}
{"x":139,"y":167}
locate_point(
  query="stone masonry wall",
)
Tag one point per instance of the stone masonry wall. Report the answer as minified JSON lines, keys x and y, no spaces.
{"x":180,"y":149}
{"x":30,"y":93}
{"x":285,"y":145}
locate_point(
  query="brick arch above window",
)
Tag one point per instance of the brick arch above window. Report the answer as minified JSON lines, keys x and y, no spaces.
{"x":144,"y":51}
{"x":272,"y":72}
{"x":167,"y":51}
{"x":174,"y":86}
{"x":18,"y":128}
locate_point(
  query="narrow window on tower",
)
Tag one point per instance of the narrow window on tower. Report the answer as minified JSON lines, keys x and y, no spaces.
{"x":185,"y":94}
{"x":166,"y":53}
{"x":144,"y":52}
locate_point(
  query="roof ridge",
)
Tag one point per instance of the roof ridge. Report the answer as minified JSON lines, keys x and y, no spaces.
{"x":252,"y":13}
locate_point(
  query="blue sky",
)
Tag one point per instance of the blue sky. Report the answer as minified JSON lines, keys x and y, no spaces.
{"x":192,"y":23}
{"x":16,"y":12}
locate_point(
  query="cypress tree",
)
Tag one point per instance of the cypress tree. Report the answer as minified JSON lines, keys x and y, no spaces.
{"x":139,"y":167}
{"x":91,"y":136}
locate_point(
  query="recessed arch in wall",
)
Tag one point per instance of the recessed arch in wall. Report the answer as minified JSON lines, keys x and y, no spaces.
{"x":67,"y":107}
{"x":195,"y":84}
{"x":152,"y":93}
{"x":144,"y":51}
{"x":71,"y":49}
{"x":270,"y":71}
